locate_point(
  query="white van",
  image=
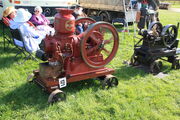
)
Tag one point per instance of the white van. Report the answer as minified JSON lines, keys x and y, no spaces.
{"x":48,"y":6}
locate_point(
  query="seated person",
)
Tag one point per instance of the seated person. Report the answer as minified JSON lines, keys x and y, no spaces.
{"x":38,"y":18}
{"x":41,"y":22}
{"x":78,"y":13}
{"x":10,"y":13}
{"x":18,"y":19}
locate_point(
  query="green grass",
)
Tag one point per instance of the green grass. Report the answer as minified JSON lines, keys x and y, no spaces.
{"x":174,"y":4}
{"x":139,"y":95}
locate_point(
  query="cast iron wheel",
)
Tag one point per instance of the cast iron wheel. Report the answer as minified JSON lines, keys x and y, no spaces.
{"x":86,"y":21}
{"x":155,"y":67}
{"x":169,"y":35}
{"x":156,"y":27}
{"x":133,"y":60}
{"x":109,"y":81}
{"x":30,"y":77}
{"x":176,"y":64}
{"x":105,"y":16}
{"x":100,"y":39}
{"x":56,"y":95}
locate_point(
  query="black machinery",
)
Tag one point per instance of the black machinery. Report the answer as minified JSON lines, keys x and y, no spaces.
{"x":158,"y":42}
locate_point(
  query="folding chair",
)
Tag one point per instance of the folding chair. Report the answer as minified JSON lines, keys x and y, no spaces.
{"x":20,"y":45}
{"x":18,"y":41}
{"x":6,"y":32}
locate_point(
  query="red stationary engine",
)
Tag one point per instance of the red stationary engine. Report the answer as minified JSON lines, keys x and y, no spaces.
{"x":73,"y":57}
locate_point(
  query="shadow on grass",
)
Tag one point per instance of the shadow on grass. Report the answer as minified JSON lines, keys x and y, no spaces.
{"x":5,"y":48}
{"x":30,"y":95}
{"x":26,"y":95}
{"x":7,"y":61}
{"x":7,"y":56}
{"x":9,"y":48}
{"x":123,"y":73}
{"x":128,"y":72}
{"x":93,"y":84}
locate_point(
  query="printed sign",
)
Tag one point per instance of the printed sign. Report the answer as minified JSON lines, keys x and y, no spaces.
{"x":62,"y":82}
{"x":69,"y":25}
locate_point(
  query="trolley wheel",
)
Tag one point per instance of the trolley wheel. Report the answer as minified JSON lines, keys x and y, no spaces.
{"x":56,"y":95}
{"x":133,"y":60}
{"x":109,"y":81}
{"x":30,"y":77}
{"x":176,"y":64}
{"x":155,"y":67}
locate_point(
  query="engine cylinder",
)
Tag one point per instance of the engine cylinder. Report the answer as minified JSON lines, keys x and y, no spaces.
{"x":64,"y":21}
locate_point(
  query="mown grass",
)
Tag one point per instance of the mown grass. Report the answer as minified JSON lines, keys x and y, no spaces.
{"x":139,"y":95}
{"x":173,"y":4}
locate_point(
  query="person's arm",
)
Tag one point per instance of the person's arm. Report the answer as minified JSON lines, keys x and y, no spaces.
{"x":26,"y":29}
{"x":45,"y":19}
{"x":14,"y":25}
{"x":35,"y":21}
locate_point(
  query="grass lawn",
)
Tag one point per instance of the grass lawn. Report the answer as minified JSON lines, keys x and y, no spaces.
{"x":139,"y":95}
{"x":174,"y":4}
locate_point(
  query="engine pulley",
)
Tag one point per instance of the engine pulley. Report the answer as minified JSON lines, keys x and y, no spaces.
{"x":169,"y":35}
{"x":100,"y":39}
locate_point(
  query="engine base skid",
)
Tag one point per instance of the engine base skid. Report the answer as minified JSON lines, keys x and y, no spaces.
{"x":50,"y":84}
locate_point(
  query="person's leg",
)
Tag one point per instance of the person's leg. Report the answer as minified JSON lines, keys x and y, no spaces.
{"x":141,"y":23}
{"x":79,"y":29}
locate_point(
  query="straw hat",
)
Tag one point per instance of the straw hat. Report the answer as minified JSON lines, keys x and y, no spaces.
{"x":22,"y":15}
{"x":8,"y":11}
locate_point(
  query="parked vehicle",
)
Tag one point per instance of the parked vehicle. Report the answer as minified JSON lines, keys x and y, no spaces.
{"x":106,"y":9}
{"x":164,"y":5}
{"x":112,"y":9}
{"x":48,"y":6}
